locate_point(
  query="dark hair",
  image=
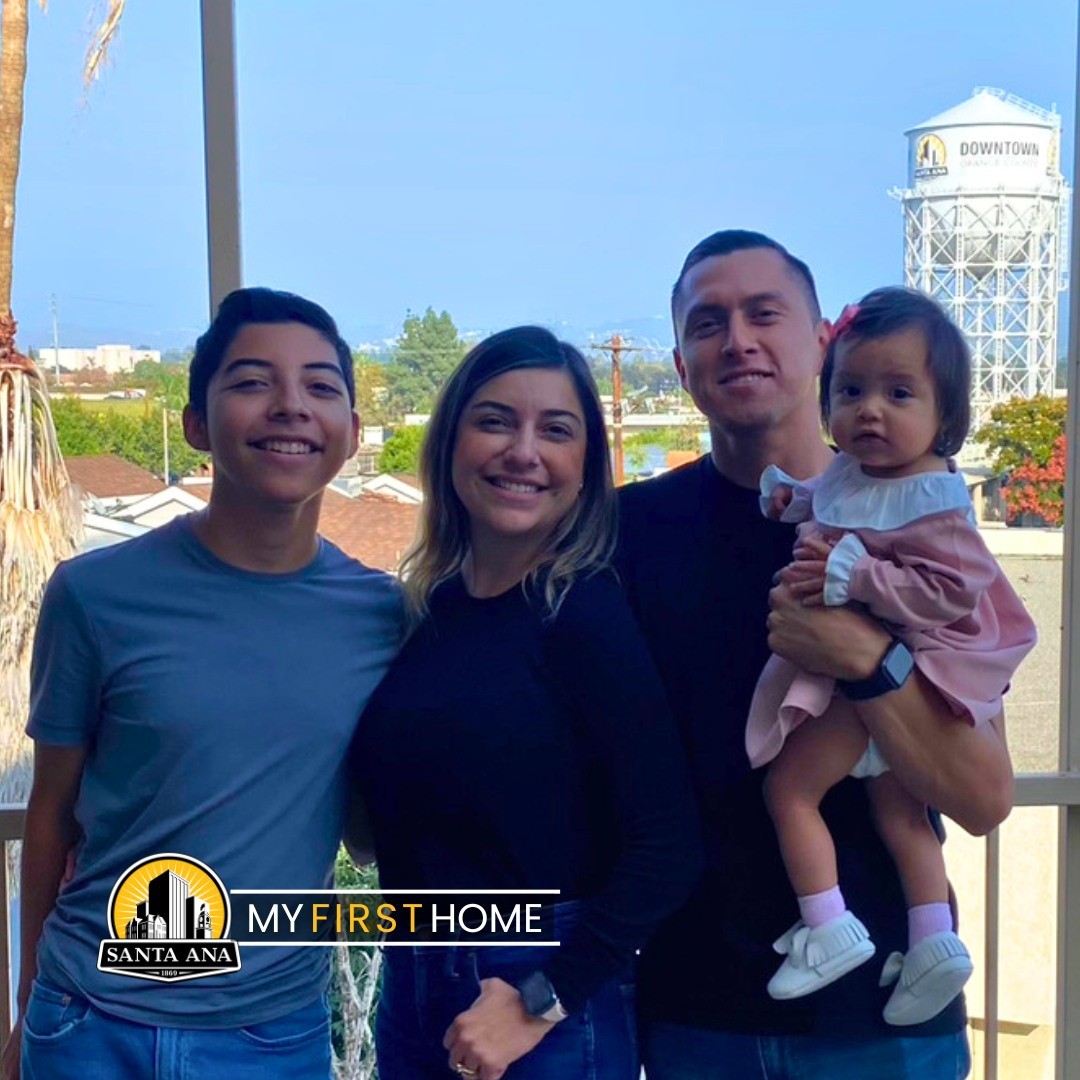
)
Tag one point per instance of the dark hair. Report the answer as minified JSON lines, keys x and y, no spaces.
{"x":259,"y":305}
{"x":582,"y":542}
{"x":727,"y":242}
{"x":884,"y":312}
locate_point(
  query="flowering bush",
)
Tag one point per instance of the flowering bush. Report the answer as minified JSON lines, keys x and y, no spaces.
{"x":1039,"y":489}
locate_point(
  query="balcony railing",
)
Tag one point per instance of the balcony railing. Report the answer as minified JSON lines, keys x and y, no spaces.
{"x":12,"y":819}
{"x":1061,"y":790}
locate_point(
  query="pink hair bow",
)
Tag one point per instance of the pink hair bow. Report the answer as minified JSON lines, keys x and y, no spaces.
{"x":843,"y":324}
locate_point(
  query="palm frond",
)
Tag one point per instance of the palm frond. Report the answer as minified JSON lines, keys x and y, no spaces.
{"x":40,"y":524}
{"x":98,"y":53}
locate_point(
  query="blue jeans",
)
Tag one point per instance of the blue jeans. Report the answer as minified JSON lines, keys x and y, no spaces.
{"x":66,"y":1038}
{"x":674,"y":1052}
{"x":424,"y":989}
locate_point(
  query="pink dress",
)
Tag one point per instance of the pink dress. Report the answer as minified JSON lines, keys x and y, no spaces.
{"x":910,"y":552}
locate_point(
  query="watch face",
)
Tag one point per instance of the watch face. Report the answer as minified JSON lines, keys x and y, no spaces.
{"x":537,"y":994}
{"x":897,"y":664}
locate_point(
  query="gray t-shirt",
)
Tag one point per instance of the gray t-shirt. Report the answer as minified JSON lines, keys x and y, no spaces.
{"x":218,"y":706}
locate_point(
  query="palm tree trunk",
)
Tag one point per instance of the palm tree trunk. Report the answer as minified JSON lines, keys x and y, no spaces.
{"x":13,"y":30}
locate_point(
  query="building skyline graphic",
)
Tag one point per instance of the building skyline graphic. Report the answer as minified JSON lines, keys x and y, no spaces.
{"x":170,"y":911}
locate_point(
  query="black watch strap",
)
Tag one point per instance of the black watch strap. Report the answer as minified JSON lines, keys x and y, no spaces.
{"x":539,"y":998}
{"x":893,"y":671}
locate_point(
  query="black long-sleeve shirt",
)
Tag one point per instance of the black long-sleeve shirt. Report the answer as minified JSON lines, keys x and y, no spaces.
{"x":697,"y":560}
{"x":506,"y":750}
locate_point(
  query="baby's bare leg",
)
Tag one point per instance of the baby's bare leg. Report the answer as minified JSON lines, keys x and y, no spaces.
{"x":816,"y":756}
{"x":904,"y":827}
{"x":936,"y":965}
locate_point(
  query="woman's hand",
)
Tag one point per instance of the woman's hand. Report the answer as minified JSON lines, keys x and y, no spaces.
{"x":493,"y":1032}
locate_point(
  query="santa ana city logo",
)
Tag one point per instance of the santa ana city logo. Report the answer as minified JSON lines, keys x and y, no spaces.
{"x":930,"y":157}
{"x":169,"y":916}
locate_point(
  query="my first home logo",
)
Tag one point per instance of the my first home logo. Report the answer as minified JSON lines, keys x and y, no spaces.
{"x":169,"y":916}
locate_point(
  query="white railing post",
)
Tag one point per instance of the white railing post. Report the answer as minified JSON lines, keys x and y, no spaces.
{"x":1068,"y":974}
{"x":221,"y":148}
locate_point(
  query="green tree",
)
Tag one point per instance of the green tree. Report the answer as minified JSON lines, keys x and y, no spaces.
{"x":637,"y":445}
{"x":651,"y":376}
{"x":355,"y":988}
{"x":82,"y":430}
{"x":79,"y":432}
{"x":1023,"y":430}
{"x":166,"y":382}
{"x":427,"y":351}
{"x":401,"y":454}
{"x":372,"y":391}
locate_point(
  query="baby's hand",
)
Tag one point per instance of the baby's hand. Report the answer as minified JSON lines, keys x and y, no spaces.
{"x":806,"y":577}
{"x":813,"y":546}
{"x":779,"y":500}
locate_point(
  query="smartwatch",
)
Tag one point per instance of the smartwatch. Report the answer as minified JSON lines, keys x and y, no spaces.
{"x":539,"y":998}
{"x":893,"y":671}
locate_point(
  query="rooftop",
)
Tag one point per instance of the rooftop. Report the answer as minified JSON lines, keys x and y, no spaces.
{"x":106,"y":476}
{"x":374,"y":529}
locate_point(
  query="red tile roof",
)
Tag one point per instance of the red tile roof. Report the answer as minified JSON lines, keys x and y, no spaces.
{"x":106,"y":476}
{"x":375,"y":529}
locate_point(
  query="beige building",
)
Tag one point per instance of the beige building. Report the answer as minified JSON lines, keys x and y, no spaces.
{"x":112,"y":359}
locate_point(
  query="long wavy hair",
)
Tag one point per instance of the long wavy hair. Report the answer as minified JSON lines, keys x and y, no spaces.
{"x":580,"y":544}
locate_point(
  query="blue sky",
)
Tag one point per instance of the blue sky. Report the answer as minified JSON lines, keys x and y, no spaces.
{"x":509,"y":163}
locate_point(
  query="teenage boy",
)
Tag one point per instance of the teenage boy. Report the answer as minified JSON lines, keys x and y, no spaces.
{"x":194,"y":691}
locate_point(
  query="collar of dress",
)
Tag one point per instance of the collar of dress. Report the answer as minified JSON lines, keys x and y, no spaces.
{"x":847,"y":498}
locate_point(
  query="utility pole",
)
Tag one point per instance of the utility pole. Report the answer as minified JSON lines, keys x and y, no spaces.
{"x":616,"y":347}
{"x":165,"y":437}
{"x":55,"y":339}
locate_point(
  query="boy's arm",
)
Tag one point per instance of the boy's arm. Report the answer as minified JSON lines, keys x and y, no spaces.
{"x":962,"y":770}
{"x":51,"y":832}
{"x":359,"y":839}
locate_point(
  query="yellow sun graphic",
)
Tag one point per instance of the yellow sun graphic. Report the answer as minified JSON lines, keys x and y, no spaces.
{"x":199,"y":882}
{"x":930,"y":152}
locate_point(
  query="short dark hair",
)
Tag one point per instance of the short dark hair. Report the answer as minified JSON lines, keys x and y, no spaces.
{"x":884,"y":312}
{"x":727,"y":242}
{"x":260,"y":305}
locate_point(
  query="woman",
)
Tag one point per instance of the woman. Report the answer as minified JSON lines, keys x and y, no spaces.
{"x":522,"y":740}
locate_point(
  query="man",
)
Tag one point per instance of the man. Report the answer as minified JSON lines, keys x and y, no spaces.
{"x":698,"y":560}
{"x":194,"y":692}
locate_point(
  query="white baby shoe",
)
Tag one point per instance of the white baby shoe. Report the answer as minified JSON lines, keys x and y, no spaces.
{"x":820,"y":956}
{"x":931,"y":975}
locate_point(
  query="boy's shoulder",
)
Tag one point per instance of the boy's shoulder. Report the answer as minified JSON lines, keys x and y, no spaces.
{"x":350,"y":571}
{"x":115,"y":561}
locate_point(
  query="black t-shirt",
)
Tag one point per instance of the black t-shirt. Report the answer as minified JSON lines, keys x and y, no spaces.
{"x":509,"y":750}
{"x":697,"y":559}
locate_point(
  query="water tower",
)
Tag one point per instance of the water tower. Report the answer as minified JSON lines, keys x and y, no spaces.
{"x":985,"y":234}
